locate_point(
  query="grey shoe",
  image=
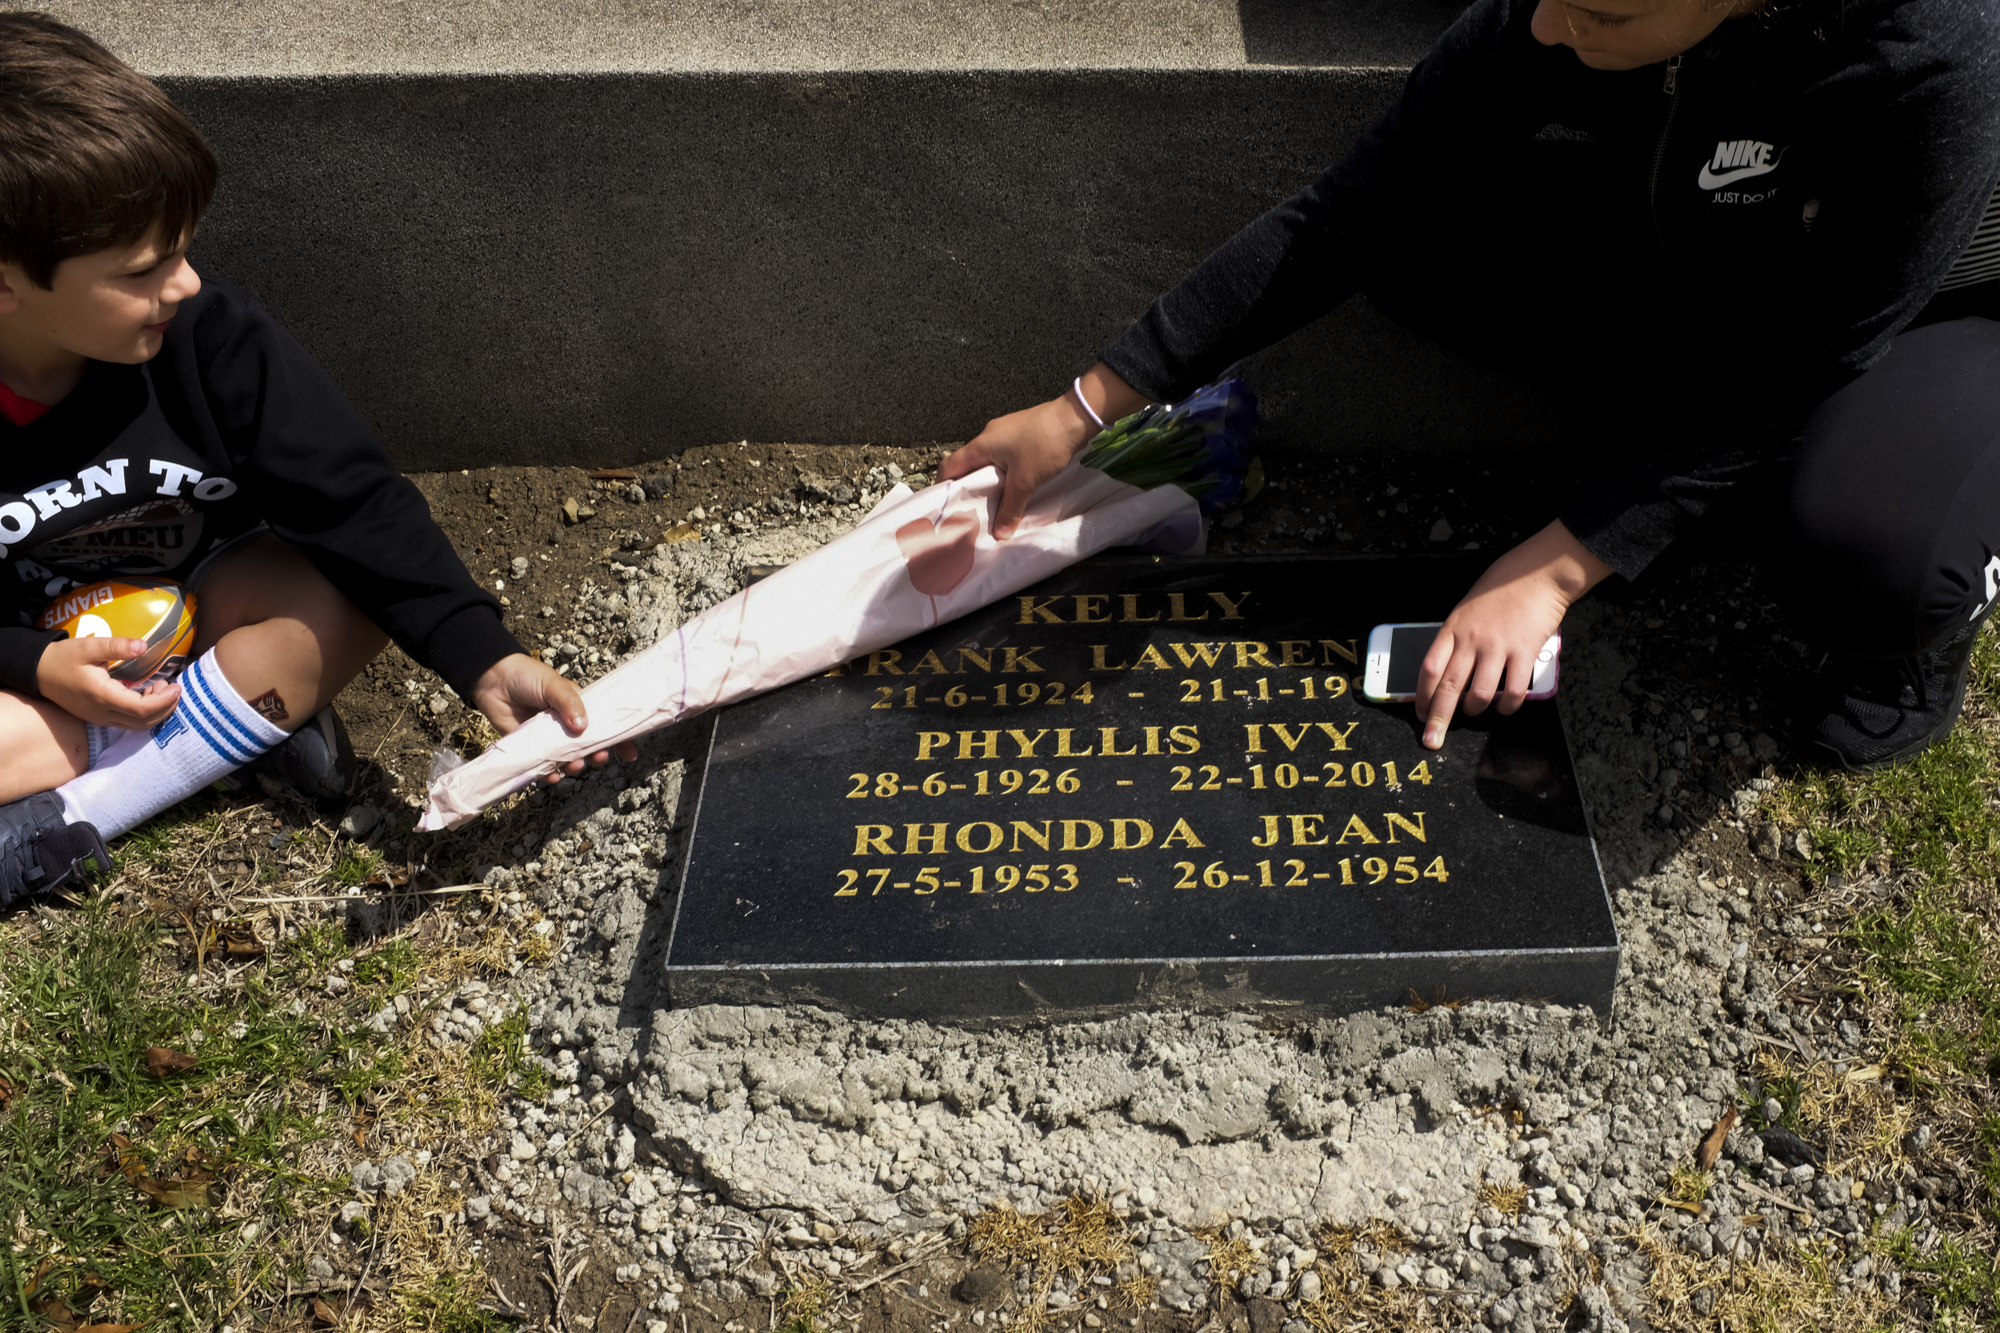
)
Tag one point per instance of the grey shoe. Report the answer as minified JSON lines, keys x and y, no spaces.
{"x":41,"y":851}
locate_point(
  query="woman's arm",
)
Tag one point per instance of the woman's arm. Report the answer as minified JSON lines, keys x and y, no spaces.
{"x":1032,"y":445}
{"x":1489,"y":643}
{"x":1282,"y":271}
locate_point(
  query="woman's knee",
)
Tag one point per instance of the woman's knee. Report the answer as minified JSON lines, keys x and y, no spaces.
{"x":1893,"y":510}
{"x":1848,"y":579}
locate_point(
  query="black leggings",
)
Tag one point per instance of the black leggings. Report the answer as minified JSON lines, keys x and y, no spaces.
{"x":1879,"y":526}
{"x":1889,"y":532}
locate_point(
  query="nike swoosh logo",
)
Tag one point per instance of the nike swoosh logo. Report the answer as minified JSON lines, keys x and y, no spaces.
{"x":1710,"y":181}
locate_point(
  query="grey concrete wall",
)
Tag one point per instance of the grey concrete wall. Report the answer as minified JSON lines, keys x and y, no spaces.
{"x":235,"y":38}
{"x":516,"y":240}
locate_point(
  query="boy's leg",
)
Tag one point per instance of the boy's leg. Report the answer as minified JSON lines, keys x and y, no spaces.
{"x":1894,"y":533}
{"x":39,"y":849}
{"x":45,"y":747}
{"x":276,"y":642}
{"x":287,"y":639}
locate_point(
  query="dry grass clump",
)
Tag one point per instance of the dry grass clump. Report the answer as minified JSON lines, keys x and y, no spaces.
{"x":1351,"y":1302}
{"x":1509,"y":1199}
{"x":805,"y":1302}
{"x":1792,"y":1289}
{"x":1082,"y":1239}
{"x":1229,"y":1261}
{"x":1377,"y":1236}
{"x":429,"y":1252}
{"x":1855,"y":1115}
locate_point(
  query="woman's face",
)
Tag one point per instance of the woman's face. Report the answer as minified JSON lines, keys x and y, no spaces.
{"x":1626,"y":34}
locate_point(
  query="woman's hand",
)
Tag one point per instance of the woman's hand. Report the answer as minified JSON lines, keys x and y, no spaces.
{"x":517,"y":687}
{"x":1031,"y":446}
{"x":1489,"y":644}
{"x":72,"y":674}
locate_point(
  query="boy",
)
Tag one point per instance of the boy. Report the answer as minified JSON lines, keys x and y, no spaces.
{"x":152,"y":425}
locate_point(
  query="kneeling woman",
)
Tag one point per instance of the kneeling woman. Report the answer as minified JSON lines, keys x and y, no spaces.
{"x":1759,"y":243}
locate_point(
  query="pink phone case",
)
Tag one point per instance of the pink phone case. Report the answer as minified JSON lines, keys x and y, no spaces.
{"x":1553,"y":653}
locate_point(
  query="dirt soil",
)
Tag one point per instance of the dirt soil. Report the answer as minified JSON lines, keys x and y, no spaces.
{"x":495,"y":516}
{"x":539,"y":535}
{"x":1329,"y":502}
{"x":943,"y":1288}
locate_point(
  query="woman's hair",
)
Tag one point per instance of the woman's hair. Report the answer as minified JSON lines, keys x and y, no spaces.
{"x":92,"y":155}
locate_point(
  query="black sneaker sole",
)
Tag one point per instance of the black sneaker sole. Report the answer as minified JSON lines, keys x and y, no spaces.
{"x":1828,"y":756}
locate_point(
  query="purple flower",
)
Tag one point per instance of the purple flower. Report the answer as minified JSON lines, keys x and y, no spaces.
{"x":1201,"y":444}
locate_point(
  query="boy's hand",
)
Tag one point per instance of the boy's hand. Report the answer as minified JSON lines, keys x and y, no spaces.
{"x":1032,"y":445}
{"x":72,"y":676}
{"x":517,"y":687}
{"x":1497,"y":631}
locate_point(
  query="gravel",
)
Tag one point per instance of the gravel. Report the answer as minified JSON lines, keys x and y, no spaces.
{"x":688,"y":1140}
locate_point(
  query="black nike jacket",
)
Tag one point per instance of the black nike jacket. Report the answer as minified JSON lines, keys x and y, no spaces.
{"x":1701,"y":250}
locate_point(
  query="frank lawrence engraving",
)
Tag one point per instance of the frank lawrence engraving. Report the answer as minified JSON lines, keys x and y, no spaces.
{"x":1146,"y":781}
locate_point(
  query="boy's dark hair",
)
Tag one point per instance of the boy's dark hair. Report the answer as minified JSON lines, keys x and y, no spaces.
{"x":92,"y":154}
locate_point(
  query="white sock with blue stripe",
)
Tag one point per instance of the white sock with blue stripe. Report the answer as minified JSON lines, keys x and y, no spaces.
{"x":211,"y":732}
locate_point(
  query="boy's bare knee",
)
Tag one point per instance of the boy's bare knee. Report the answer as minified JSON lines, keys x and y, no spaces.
{"x":270,"y":580}
{"x":46,"y":747}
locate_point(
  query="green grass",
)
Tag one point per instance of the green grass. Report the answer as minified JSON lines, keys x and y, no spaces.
{"x":1689,"y":1185}
{"x":445,"y":1304}
{"x":83,"y":1004}
{"x":501,"y":1058}
{"x":391,"y":968}
{"x":1786,"y":1087}
{"x":312,"y":954}
{"x":801,"y":1307}
{"x":1934,"y":816}
{"x":1965,"y":1281}
{"x":1929,"y":958}
{"x":151,"y":845}
{"x":355,"y":865}
{"x":279,"y":1068}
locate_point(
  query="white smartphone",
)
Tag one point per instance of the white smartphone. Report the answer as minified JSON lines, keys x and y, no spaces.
{"x":1396,"y":654}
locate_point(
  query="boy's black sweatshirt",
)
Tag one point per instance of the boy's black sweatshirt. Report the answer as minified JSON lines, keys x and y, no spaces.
{"x":1702,"y":250}
{"x":143,"y":469}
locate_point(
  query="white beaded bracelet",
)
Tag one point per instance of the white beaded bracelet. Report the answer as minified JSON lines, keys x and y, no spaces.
{"x":1076,"y":387}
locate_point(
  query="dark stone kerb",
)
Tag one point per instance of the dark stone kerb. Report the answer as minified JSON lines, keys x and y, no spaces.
{"x":546,"y":268}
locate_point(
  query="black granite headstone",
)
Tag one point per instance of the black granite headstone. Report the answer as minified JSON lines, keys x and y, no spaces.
{"x":1145,"y":781}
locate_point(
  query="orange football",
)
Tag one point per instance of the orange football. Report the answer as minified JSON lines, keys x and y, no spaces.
{"x":158,"y":611}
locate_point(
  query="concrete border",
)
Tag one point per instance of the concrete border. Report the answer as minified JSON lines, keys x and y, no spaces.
{"x":531,"y":269}
{"x":306,"y":38}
